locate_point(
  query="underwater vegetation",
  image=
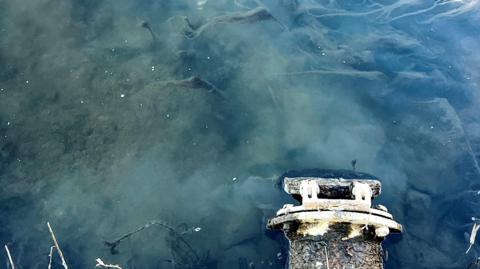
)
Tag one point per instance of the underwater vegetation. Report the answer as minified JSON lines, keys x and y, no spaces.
{"x":114,"y":113}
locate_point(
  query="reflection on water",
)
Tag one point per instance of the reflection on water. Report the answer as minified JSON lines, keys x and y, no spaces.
{"x":114,"y":114}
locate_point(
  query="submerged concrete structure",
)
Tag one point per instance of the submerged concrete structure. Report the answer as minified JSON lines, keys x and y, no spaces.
{"x":334,"y":226}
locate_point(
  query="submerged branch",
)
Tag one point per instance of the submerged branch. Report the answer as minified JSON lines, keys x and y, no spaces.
{"x":147,"y":26}
{"x":113,"y":245}
{"x":351,"y":73}
{"x":195,"y":83}
{"x":385,"y":11}
{"x":251,"y":16}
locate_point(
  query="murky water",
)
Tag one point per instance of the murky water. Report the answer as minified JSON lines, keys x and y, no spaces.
{"x":114,"y":114}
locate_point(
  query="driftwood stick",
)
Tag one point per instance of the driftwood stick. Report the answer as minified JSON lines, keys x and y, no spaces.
{"x":60,"y":253}
{"x":50,"y":255}
{"x":9,"y":257}
{"x":101,"y":264}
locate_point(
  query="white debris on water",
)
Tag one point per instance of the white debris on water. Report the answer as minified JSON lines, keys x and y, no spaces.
{"x":197,"y":229}
{"x":201,"y":3}
{"x":473,"y":235}
{"x":122,"y":95}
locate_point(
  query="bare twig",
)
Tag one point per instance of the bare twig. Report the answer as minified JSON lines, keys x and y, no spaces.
{"x":9,"y":257}
{"x":100,"y":263}
{"x":60,"y":253}
{"x":50,"y":255}
{"x":324,"y":245}
{"x":326,"y":257}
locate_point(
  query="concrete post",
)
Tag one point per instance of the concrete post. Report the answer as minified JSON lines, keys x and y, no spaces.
{"x":335,"y":226}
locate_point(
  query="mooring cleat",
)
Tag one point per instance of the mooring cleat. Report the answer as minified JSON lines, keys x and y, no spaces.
{"x":337,"y":212}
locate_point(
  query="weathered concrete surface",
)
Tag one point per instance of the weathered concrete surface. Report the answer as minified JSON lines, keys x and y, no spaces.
{"x":330,"y":251}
